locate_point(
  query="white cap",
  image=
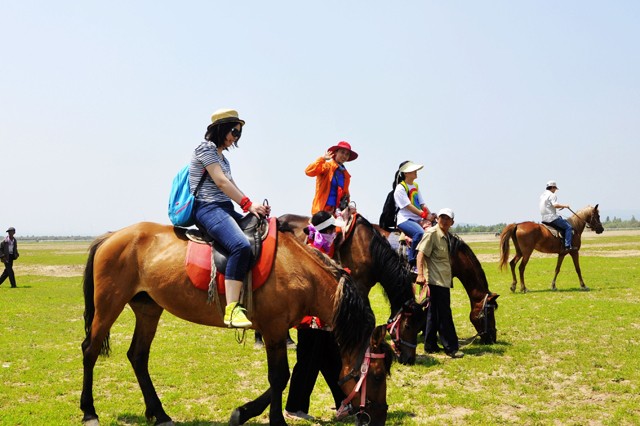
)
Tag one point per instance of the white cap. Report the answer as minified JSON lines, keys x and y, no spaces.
{"x":552,"y":183}
{"x":446,"y":212}
{"x":409,"y":167}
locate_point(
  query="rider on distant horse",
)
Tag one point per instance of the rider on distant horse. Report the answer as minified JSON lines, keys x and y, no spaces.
{"x":548,"y":205}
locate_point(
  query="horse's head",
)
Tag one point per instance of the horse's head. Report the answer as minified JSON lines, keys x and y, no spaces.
{"x":594,"y":220}
{"x":483,"y":318}
{"x":367,"y":399}
{"x":404,"y":328}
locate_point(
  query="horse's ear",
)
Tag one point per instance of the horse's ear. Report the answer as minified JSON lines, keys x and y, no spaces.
{"x":493,"y":296}
{"x":379,"y":333}
{"x":596,"y":207}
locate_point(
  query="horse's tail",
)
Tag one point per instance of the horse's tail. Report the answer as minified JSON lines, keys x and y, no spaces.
{"x":507,"y":233}
{"x":88,"y":288}
{"x":353,"y":319}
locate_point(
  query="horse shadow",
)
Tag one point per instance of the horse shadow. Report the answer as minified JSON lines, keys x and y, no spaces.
{"x":134,"y":419}
{"x":560,"y":290}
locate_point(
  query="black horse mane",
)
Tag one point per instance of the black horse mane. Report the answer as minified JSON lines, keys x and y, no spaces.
{"x":353,"y":320}
{"x":392,"y":273}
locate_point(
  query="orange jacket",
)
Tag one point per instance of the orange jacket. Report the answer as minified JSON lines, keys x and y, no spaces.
{"x":323,"y":171}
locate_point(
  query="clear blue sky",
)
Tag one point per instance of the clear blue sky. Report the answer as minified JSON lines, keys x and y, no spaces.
{"x":102,"y":102}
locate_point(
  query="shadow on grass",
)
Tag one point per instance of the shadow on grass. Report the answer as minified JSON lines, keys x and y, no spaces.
{"x":559,"y":290}
{"x":131,"y":419}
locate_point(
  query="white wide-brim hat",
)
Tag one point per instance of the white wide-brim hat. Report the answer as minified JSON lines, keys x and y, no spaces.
{"x":410,"y":166}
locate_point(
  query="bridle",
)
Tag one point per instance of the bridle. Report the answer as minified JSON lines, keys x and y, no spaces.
{"x":483,"y":314}
{"x":587,"y":224}
{"x":393,"y":324}
{"x":346,"y":407}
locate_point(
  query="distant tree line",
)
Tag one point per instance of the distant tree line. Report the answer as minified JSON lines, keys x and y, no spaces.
{"x":617,"y":223}
{"x":608,"y":223}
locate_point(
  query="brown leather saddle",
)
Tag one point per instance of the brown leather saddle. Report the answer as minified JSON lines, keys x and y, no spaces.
{"x":556,"y":232}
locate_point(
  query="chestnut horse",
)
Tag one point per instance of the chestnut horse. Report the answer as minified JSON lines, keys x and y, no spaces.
{"x":371,"y":260}
{"x":143,"y":266}
{"x":529,"y":236}
{"x":467,"y":268}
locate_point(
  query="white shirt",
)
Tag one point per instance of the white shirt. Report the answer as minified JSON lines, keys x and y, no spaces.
{"x":548,"y":200}
{"x":402,"y":201}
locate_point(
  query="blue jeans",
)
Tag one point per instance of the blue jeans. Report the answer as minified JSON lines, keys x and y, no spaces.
{"x":414,"y":231}
{"x":561,"y":223}
{"x":220,"y":221}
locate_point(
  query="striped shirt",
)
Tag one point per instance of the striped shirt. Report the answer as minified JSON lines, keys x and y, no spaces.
{"x":204,"y":155}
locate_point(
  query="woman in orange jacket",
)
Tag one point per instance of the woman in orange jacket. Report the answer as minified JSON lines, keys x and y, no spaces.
{"x":332,"y":178}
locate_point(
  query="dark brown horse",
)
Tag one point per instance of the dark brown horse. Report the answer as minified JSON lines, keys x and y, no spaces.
{"x":529,"y":236}
{"x":371,"y":260}
{"x":143,"y":266}
{"x":467,"y":268}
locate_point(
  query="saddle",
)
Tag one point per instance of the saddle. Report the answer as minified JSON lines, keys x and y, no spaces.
{"x":254,"y":228}
{"x":555,"y":231}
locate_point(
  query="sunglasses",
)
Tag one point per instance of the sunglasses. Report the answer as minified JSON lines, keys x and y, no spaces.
{"x":236,"y":133}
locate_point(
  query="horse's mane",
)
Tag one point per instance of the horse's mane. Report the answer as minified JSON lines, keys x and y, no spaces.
{"x":392,"y":273}
{"x":457,"y":244}
{"x":352,"y":309}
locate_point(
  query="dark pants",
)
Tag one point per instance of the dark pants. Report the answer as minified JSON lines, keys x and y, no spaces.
{"x":440,"y":320}
{"x":316,"y":352}
{"x":8,"y":272}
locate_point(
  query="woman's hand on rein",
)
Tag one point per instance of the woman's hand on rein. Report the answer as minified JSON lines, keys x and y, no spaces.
{"x":260,"y":210}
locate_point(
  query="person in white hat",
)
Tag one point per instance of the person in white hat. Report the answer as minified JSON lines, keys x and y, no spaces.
{"x":9,"y":253}
{"x":210,"y":171}
{"x":548,"y":205}
{"x":413,"y":214}
{"x":332,"y":178}
{"x":433,"y":262}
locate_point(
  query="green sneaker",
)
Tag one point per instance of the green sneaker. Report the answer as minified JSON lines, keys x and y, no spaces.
{"x":235,"y":316}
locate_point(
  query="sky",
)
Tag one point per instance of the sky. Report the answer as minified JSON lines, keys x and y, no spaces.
{"x":101,"y":103}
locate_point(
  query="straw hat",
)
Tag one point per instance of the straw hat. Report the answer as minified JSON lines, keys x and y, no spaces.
{"x":225,"y":116}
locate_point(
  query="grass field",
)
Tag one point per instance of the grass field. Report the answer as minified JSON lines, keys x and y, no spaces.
{"x":563,"y":358}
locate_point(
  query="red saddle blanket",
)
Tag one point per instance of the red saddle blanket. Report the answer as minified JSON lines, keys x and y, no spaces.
{"x":198,"y":262}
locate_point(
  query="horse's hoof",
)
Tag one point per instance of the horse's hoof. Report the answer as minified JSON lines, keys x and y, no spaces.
{"x":553,"y":288}
{"x":585,"y":288}
{"x":169,"y":423}
{"x":524,"y":290}
{"x":513,"y":288}
{"x":91,"y":422}
{"x":235,"y":418}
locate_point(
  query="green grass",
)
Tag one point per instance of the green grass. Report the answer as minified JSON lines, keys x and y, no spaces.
{"x":564,"y":357}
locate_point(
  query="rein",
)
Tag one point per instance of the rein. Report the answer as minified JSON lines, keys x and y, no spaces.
{"x":484,"y":315}
{"x":346,"y":407}
{"x":587,"y":224}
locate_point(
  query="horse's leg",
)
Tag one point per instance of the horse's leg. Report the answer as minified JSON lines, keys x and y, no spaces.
{"x":147,"y":317}
{"x":558,"y":265}
{"x":278,"y":367}
{"x":521,"y":268}
{"x":575,"y":255}
{"x":91,"y":348}
{"x":513,"y":264}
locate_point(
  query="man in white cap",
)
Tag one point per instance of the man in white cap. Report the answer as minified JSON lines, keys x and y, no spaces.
{"x":433,"y":256}
{"x":548,"y":205}
{"x":9,"y":253}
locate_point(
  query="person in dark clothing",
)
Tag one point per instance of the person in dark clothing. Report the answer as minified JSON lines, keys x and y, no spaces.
{"x":9,"y":253}
{"x":317,"y":351}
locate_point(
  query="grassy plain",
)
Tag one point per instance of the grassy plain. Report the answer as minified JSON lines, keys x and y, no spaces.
{"x":567,"y":357}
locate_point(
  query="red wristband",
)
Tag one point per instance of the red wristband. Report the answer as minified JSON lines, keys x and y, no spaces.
{"x":245,"y":203}
{"x":424,"y":214}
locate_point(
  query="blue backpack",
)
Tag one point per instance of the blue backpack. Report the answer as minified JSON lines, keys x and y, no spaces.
{"x":181,"y":200}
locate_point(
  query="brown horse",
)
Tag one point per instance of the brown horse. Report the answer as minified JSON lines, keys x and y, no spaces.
{"x":371,"y":260}
{"x":467,"y":268}
{"x":143,"y":266}
{"x":529,"y":236}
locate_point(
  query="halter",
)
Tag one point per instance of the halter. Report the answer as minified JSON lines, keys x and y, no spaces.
{"x":346,"y":408}
{"x":393,"y":325}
